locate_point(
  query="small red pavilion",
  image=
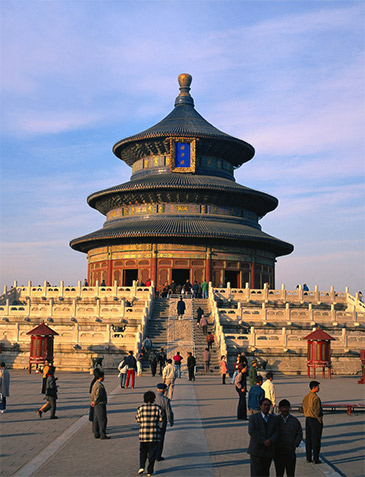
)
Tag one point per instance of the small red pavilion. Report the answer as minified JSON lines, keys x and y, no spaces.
{"x":41,"y":345}
{"x":319,"y":351}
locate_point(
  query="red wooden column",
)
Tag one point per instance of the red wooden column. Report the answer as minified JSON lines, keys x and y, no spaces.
{"x":154,"y":265}
{"x":208,"y":265}
{"x":109,"y":273}
{"x":252,"y":275}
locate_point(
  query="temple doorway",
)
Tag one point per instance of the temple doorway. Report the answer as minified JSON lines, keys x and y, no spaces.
{"x":232,"y":277}
{"x":130,"y":276}
{"x":180,"y":275}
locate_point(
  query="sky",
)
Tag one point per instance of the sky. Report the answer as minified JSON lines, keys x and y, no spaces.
{"x":285,"y":76}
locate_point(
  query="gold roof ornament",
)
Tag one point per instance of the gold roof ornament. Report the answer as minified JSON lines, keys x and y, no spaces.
{"x":184,"y":97}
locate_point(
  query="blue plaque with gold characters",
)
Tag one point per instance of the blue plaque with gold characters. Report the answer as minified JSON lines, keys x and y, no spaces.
{"x":182,"y":151}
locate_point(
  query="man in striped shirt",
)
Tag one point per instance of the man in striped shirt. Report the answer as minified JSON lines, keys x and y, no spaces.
{"x":150,"y":417}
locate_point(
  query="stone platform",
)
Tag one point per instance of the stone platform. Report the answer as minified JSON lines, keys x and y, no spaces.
{"x":207,"y":439}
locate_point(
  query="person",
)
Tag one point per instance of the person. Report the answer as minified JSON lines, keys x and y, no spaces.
{"x":180,"y":308}
{"x":264,"y":432}
{"x":169,"y":376}
{"x":290,"y":436}
{"x":153,"y":362}
{"x":123,"y":368}
{"x":255,"y":395}
{"x":269,"y":390}
{"x":99,"y":400}
{"x":187,"y":287}
{"x":165,"y":290}
{"x":44,"y":376}
{"x":177,"y":363}
{"x":206,"y":360}
{"x":150,"y":417}
{"x":178,"y":289}
{"x":195,"y":289}
{"x":51,"y":394}
{"x":164,"y":402}
{"x":161,"y":358}
{"x":204,"y":324}
{"x":240,"y":384}
{"x":139,"y":357}
{"x":204,"y":287}
{"x":210,"y":340}
{"x":4,"y":386}
{"x":224,"y":368}
{"x":86,"y":283}
{"x":243,"y":359}
{"x":237,"y":365}
{"x":305,"y":287}
{"x":148,"y":283}
{"x":253,"y":373}
{"x":172,"y":290}
{"x":191,"y":362}
{"x":199,"y":314}
{"x":131,"y":363}
{"x":102,"y":283}
{"x":147,"y":344}
{"x":91,"y":409}
{"x":313,"y":412}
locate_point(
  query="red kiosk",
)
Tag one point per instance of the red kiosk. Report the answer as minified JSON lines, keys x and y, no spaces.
{"x":319,"y":351}
{"x":41,"y":345}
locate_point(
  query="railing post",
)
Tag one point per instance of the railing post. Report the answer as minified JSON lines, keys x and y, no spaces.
{"x":284,"y":338}
{"x":317,"y":296}
{"x":51,"y":307}
{"x":252,"y":337}
{"x":264,"y":313}
{"x":310,"y":312}
{"x":79,"y":291}
{"x":29,"y":288}
{"x":332,"y":294}
{"x":333,"y":315}
{"x":62,"y":288}
{"x":288,"y":313}
{"x":248,"y":292}
{"x":283,"y":292}
{"x":45,"y":288}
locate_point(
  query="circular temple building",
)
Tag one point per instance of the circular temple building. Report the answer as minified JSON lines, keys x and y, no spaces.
{"x":182,"y":216}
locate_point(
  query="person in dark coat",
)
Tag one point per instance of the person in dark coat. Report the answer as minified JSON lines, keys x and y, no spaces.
{"x":164,"y":403}
{"x":264,"y":431}
{"x":131,"y":362}
{"x":51,"y":395}
{"x":199,"y":314}
{"x":180,"y":308}
{"x":98,"y":400}
{"x":241,"y":387}
{"x":153,"y":362}
{"x":4,"y":386}
{"x":191,"y":362}
{"x":161,"y":358}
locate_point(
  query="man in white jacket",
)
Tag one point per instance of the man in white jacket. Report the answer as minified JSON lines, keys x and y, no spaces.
{"x":269,"y":389}
{"x":169,"y":376}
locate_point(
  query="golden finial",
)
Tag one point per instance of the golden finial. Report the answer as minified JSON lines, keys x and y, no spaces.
{"x":184,"y":97}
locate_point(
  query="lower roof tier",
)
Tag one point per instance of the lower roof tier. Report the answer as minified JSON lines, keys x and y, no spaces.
{"x":182,"y":188}
{"x":193,"y":228}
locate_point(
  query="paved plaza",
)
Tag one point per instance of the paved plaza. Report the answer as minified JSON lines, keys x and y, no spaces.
{"x":206,"y":440}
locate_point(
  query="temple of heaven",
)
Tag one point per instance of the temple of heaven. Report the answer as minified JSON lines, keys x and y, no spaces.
{"x":182,"y":216}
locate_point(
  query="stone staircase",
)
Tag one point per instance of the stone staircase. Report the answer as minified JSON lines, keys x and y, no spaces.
{"x":200,"y":339}
{"x":157,"y":328}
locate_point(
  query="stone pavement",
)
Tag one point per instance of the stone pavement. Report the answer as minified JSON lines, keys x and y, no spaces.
{"x":207,"y":440}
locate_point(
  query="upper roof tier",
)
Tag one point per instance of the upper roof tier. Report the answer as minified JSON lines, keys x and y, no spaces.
{"x":184,"y":121}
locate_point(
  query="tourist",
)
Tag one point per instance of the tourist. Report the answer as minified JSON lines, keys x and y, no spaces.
{"x":150,"y":417}
{"x":191,"y":362}
{"x":161,"y":358}
{"x":131,"y":363}
{"x":290,"y":436}
{"x":224,"y":368}
{"x":164,"y":402}
{"x":169,"y":376}
{"x":255,"y":395}
{"x":210,"y":340}
{"x":165,"y":290}
{"x":123,"y":368}
{"x":172,"y":290}
{"x":98,"y":400}
{"x":313,"y":412}
{"x":86,"y":283}
{"x":264,"y":431}
{"x":199,"y":314}
{"x":305,"y":287}
{"x":153,"y":362}
{"x":187,"y":287}
{"x":139,"y":357}
{"x":180,"y":308}
{"x":240,"y":384}
{"x":195,"y":289}
{"x":253,"y":373}
{"x":148,"y":283}
{"x":237,"y":365}
{"x":147,"y":344}
{"x":204,"y":287}
{"x":102,"y":283}
{"x":44,"y":376}
{"x":178,"y":289}
{"x":269,"y":389}
{"x":243,"y":359}
{"x":204,"y":324}
{"x":177,"y":363}
{"x":51,"y":394}
{"x":91,"y":409}
{"x":206,"y":360}
{"x":4,"y":386}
